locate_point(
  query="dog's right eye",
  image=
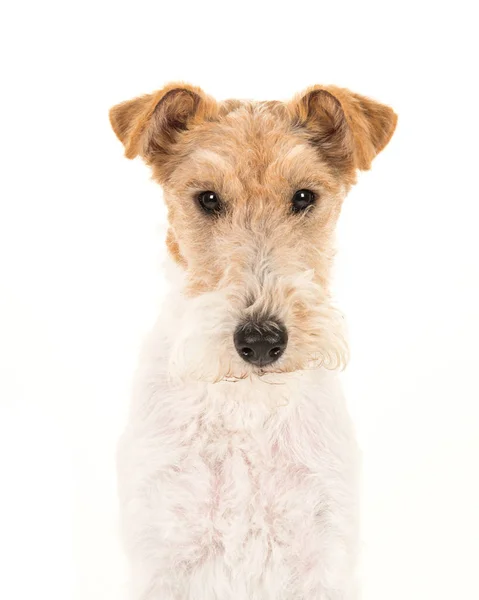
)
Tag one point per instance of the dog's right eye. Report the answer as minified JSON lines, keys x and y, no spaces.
{"x":210,"y":202}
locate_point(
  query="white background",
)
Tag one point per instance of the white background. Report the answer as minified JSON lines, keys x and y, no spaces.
{"x":81,"y":244}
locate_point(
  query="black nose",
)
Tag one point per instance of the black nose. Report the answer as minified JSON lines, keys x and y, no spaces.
{"x":261,"y":343}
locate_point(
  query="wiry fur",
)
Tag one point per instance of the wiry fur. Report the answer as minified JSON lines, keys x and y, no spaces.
{"x":239,"y":482}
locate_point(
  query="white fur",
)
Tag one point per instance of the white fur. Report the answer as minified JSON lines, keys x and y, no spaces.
{"x":235,"y":490}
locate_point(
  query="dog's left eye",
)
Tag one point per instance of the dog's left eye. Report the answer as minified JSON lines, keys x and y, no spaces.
{"x":302,"y":199}
{"x":209,"y":202}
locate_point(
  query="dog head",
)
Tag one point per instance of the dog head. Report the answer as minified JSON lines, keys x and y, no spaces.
{"x":254,"y":190}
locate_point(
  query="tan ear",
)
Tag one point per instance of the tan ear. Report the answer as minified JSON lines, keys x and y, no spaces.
{"x":349,"y":129}
{"x":149,"y":125}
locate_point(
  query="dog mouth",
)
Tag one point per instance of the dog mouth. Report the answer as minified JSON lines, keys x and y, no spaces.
{"x":285,"y":367}
{"x":261,"y":373}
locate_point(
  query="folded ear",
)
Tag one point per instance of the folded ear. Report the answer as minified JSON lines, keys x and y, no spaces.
{"x":150,"y":125}
{"x":349,"y":129}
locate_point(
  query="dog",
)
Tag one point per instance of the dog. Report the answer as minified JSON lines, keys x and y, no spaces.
{"x":238,"y":469}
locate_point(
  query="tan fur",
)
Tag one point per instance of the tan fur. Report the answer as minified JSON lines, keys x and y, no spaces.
{"x":255,"y":155}
{"x":363,"y":126}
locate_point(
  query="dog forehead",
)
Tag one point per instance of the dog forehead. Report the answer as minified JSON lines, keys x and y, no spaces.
{"x":254,"y":141}
{"x":253,"y":131}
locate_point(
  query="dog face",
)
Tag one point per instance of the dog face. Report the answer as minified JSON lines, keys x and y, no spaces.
{"x":254,"y":190}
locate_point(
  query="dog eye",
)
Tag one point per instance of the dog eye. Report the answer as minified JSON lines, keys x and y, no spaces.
{"x":302,"y":199}
{"x":209,"y":202}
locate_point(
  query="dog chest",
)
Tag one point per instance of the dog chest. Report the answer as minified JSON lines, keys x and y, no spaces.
{"x":253,"y":491}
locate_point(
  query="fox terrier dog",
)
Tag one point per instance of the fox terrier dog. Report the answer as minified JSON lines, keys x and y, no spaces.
{"x":238,"y":469}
